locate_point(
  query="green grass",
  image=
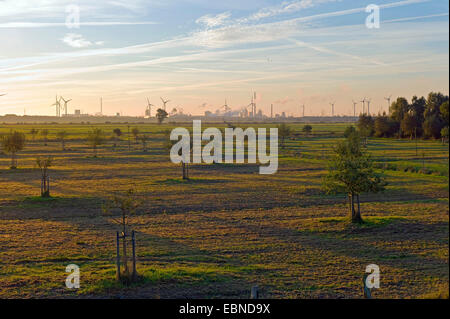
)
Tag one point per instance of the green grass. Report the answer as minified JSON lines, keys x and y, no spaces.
{"x":226,"y":228}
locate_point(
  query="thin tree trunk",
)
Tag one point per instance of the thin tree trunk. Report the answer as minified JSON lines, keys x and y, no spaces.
{"x":357,"y":215}
{"x":13,"y":160}
{"x":353,"y":206}
{"x":350,"y":202}
{"x":124,"y":245}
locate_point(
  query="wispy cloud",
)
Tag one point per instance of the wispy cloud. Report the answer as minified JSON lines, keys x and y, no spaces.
{"x":284,"y":8}
{"x":51,"y":9}
{"x":274,"y":50}
{"x":238,"y":33}
{"x":76,"y":40}
{"x":212,"y":21}
{"x":17,"y":25}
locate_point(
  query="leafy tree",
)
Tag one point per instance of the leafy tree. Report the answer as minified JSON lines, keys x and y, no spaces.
{"x":434,"y":123}
{"x":444,"y":112}
{"x":161,"y":115}
{"x":444,"y":134}
{"x":43,"y":164}
{"x":44,"y":134}
{"x":417,"y":110}
{"x":13,"y":143}
{"x":366,"y":126}
{"x":434,"y":102}
{"x":307,"y":129}
{"x":432,"y":126}
{"x":284,"y":132}
{"x":409,"y":125}
{"x":96,"y":137}
{"x":33,"y":133}
{"x":62,"y":135}
{"x":399,"y":108}
{"x":135,"y":131}
{"x":385,"y":126}
{"x":349,"y":131}
{"x":351,"y":171}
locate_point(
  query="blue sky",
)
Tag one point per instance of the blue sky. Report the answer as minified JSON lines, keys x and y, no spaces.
{"x":198,"y":53}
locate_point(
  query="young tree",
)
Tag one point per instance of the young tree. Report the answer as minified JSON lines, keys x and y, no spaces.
{"x":135,"y":131}
{"x":62,"y":135}
{"x":284,"y":132}
{"x":13,"y":143}
{"x":44,"y":134}
{"x":117,"y":134}
{"x":124,"y":205}
{"x":351,"y":171}
{"x":184,"y":166}
{"x":307,"y":129}
{"x":43,"y":164}
{"x":96,"y":137}
{"x":144,"y":138}
{"x":33,"y":133}
{"x":161,"y":115}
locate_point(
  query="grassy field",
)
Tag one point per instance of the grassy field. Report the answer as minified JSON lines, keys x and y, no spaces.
{"x":227,"y":228}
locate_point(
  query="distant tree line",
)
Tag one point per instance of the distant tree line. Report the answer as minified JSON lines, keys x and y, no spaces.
{"x":422,"y":117}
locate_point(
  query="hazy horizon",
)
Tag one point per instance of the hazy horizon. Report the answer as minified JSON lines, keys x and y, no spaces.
{"x":199,"y":54}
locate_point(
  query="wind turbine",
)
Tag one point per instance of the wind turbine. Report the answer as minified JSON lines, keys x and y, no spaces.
{"x":251,"y":112}
{"x":253,"y":104}
{"x":364,"y":105}
{"x":57,"y":104}
{"x":388,"y":99}
{"x":164,"y":103}
{"x":148,"y":111}
{"x":65,"y":104}
{"x":332,"y":108}
{"x":368,"y":106}
{"x":354,"y":108}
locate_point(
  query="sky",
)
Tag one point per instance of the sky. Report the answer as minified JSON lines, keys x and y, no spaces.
{"x":199,"y":53}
